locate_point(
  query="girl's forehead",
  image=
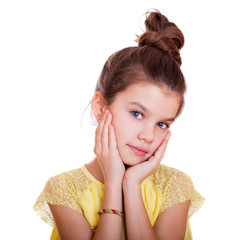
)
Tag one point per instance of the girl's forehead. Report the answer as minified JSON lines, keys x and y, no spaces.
{"x":148,"y":91}
{"x":150,"y":96}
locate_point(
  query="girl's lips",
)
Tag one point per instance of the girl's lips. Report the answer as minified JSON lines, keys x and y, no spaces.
{"x":138,"y":151}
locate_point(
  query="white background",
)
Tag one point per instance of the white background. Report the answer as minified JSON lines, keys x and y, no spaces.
{"x":51,"y":54}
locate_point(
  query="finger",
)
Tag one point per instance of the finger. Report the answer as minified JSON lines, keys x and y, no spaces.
{"x":99,"y":129}
{"x":104,"y":135}
{"x":163,"y":146}
{"x":156,"y":159}
{"x":112,"y":138}
{"x":102,"y":121}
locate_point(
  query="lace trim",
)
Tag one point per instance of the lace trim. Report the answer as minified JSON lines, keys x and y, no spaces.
{"x":177,"y":187}
{"x":42,"y":209}
{"x":64,"y":189}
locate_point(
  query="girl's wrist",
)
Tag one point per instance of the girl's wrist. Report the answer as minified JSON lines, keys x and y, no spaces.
{"x":130,"y":184}
{"x":113,"y":184}
{"x":131,"y":189}
{"x":113,"y":180}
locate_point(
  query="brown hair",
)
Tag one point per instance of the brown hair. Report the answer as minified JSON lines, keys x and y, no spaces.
{"x":156,"y":60}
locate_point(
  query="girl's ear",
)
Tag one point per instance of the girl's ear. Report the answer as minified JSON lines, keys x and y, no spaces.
{"x":98,"y":105}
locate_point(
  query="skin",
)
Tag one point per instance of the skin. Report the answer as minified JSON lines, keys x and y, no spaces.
{"x":130,"y":142}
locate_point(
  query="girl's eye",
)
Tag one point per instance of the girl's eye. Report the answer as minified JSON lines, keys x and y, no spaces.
{"x":137,"y":115}
{"x":162,"y":125}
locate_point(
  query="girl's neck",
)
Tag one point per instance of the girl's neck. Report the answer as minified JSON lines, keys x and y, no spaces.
{"x":95,"y":169}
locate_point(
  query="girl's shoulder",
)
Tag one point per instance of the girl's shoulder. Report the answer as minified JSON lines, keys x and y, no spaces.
{"x":169,"y":175}
{"x":175,"y":186}
{"x":72,"y":177}
{"x":74,"y":181}
{"x":64,"y":189}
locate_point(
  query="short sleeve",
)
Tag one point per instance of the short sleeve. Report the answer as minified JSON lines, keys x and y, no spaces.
{"x":178,"y":189}
{"x":59,"y":190}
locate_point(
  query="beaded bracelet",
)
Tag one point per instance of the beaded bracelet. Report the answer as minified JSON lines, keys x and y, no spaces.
{"x":112,"y":211}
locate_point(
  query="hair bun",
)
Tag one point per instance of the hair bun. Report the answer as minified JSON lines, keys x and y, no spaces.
{"x":162,"y":34}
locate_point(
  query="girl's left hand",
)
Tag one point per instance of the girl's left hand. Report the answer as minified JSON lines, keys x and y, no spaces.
{"x":141,"y":171}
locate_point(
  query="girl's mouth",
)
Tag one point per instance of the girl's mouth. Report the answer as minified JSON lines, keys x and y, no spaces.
{"x":138,"y":151}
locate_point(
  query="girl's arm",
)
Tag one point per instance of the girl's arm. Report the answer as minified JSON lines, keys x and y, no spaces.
{"x":71,"y":224}
{"x":171,"y":223}
{"x":110,"y":225}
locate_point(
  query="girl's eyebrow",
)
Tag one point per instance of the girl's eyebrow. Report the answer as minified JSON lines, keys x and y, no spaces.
{"x":140,"y":105}
{"x":147,"y":110}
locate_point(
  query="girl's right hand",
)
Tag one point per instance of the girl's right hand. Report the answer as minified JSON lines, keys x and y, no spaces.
{"x":106,"y":151}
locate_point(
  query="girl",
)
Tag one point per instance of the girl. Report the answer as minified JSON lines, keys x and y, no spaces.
{"x":125,"y":192}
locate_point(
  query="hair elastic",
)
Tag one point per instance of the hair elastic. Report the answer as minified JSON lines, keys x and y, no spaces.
{"x":112,"y":211}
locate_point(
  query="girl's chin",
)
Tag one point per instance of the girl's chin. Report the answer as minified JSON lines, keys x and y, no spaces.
{"x":130,"y":161}
{"x":128,"y":165}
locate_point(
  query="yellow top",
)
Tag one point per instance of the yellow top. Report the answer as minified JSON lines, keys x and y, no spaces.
{"x":79,"y":190}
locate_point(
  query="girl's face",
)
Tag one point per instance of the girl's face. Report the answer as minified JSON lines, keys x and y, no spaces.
{"x":142,"y":115}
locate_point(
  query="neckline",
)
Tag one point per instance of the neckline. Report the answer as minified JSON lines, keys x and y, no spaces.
{"x":90,"y":176}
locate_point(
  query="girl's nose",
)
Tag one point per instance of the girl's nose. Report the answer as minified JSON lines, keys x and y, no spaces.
{"x":146,"y":134}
